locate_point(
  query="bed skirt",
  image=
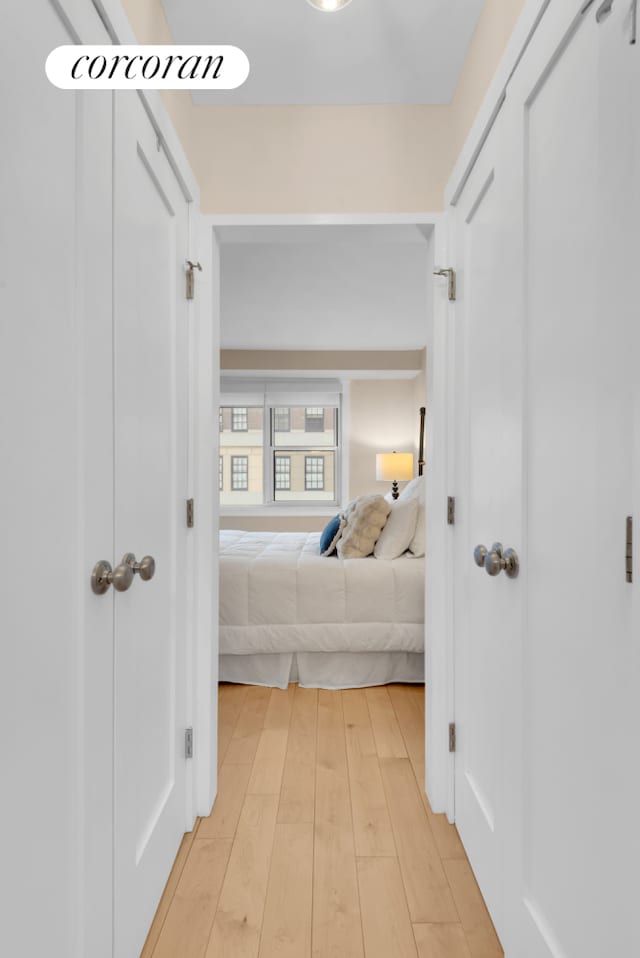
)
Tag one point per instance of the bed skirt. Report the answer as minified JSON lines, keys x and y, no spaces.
{"x":322,"y":670}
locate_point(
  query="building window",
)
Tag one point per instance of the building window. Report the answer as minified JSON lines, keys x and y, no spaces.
{"x":239,"y":473}
{"x":314,"y":419}
{"x":239,"y":419}
{"x":314,"y":472}
{"x":220,"y":420}
{"x":282,"y":419}
{"x":279,"y":452}
{"x":282,"y":473}
{"x":220,"y":472}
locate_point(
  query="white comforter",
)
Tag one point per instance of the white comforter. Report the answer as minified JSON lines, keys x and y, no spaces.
{"x":278,"y":594}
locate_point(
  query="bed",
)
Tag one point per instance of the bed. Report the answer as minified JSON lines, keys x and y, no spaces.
{"x":289,"y":614}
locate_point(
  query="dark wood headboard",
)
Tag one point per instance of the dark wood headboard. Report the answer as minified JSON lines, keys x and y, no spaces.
{"x":421,"y":442}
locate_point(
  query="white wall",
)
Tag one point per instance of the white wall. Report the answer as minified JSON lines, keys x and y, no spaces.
{"x":346,"y":292}
{"x":306,"y":159}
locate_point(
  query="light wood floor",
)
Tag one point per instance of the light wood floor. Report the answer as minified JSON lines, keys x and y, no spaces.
{"x":322,"y":843}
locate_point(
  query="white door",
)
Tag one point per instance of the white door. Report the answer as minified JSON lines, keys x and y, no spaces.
{"x":576,"y":885}
{"x":56,"y":484}
{"x":150,"y":412}
{"x":487,"y":609}
{"x":545,"y":662}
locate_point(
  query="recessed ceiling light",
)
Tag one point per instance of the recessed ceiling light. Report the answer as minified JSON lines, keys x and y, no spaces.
{"x":328,"y":6}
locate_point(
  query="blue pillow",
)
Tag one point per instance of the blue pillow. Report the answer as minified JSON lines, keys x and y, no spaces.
{"x":330,"y":535}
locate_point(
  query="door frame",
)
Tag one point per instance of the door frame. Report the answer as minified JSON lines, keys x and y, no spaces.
{"x":438,"y":624}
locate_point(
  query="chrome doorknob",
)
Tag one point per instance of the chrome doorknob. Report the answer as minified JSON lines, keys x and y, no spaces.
{"x":104,"y":576}
{"x":145,"y":568}
{"x":498,"y":561}
{"x":479,"y":554}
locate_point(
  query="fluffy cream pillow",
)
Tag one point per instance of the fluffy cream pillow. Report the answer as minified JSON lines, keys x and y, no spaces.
{"x":399,"y":530}
{"x":365,"y":518}
{"x":416,"y":490}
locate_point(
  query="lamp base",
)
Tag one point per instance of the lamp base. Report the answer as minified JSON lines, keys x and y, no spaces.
{"x":395,"y":492}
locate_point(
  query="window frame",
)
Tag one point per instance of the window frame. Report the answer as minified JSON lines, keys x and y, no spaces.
{"x":278,"y":411}
{"x":271,"y":451}
{"x":314,"y":418}
{"x":310,"y":474}
{"x":270,"y":502}
{"x":234,"y":487}
{"x":235,"y":428}
{"x":285,"y":457}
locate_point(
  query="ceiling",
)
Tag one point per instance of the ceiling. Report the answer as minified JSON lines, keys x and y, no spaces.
{"x":371,"y":51}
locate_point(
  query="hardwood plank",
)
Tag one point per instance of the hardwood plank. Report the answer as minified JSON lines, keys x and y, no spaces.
{"x":278,"y":713}
{"x":246,"y":735}
{"x":333,"y":799}
{"x":286,"y":928}
{"x":297,"y":795}
{"x":389,"y":740}
{"x":406,"y":704}
{"x":410,"y":719}
{"x":371,"y":823}
{"x":266,"y":774}
{"x":188,"y":924}
{"x":476,"y":921}
{"x":167,"y":896}
{"x":425,"y":882}
{"x":441,"y":941}
{"x":230,"y":701}
{"x":232,"y":787}
{"x":238,"y":920}
{"x":337,"y":930}
{"x":386,"y":924}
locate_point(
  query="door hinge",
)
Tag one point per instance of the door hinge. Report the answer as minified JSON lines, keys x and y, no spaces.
{"x":188,"y":743}
{"x":451,"y":510}
{"x":190,"y":514}
{"x":452,"y":736}
{"x":451,"y":277}
{"x":191,"y":278}
{"x":629,"y":550}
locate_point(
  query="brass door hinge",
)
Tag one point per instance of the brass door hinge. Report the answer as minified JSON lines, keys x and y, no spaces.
{"x":452,"y":736}
{"x":190,"y":513}
{"x":451,"y":277}
{"x":191,"y":278}
{"x":629,"y":550}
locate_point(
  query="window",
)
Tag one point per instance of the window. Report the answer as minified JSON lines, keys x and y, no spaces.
{"x":314,"y":419}
{"x":314,"y":472}
{"x":282,"y":476}
{"x":246,"y":445}
{"x":239,"y":419}
{"x":239,"y":473}
{"x":220,"y":420}
{"x":283,"y":452}
{"x":282,"y":419}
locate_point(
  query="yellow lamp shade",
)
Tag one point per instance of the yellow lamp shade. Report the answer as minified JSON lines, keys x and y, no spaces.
{"x":394,"y":465}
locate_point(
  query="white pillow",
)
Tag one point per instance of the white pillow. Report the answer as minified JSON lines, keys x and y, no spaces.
{"x":417,"y":544}
{"x":399,"y":530}
{"x":416,"y":490}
